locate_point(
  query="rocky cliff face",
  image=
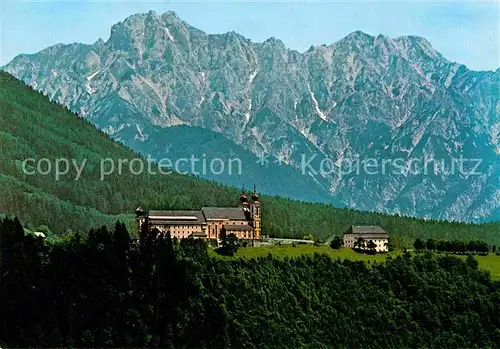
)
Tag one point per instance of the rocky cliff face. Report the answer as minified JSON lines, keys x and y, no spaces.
{"x":358,"y":118}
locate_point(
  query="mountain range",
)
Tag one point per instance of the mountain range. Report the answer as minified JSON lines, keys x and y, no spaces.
{"x":33,"y":127}
{"x":368,"y":111}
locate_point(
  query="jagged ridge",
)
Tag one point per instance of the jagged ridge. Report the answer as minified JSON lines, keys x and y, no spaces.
{"x":361,"y":97}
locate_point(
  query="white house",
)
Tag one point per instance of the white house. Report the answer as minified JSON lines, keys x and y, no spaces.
{"x":374,"y":233}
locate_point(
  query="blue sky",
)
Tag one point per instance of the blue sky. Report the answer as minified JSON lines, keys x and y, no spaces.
{"x":466,"y":32}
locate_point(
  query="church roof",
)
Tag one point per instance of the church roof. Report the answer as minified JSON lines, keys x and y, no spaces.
{"x":176,"y":217}
{"x":237,"y":227}
{"x":224,"y":213}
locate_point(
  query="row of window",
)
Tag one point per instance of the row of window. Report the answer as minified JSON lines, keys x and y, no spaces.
{"x":184,"y":227}
{"x":185,"y":235}
{"x":375,"y":241}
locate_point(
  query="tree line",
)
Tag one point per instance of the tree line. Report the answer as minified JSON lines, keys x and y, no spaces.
{"x":106,"y":289}
{"x":454,"y":246}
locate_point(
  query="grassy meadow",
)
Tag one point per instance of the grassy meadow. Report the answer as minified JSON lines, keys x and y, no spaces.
{"x":490,"y":262}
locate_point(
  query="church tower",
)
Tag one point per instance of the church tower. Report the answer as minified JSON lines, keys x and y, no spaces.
{"x":255,"y":214}
{"x":140,"y":218}
{"x":244,"y":201}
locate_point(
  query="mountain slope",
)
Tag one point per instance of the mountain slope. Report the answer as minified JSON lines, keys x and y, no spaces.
{"x":358,"y":99}
{"x":33,"y":127}
{"x":219,"y":159}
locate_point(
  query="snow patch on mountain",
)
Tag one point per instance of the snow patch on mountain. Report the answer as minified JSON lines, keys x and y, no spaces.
{"x":203,"y":76}
{"x":169,"y":34}
{"x":140,"y":135}
{"x":91,"y":76}
{"x":315,"y":104}
{"x":249,"y":110}
{"x":90,"y":89}
{"x":252,"y":77}
{"x":249,"y":100}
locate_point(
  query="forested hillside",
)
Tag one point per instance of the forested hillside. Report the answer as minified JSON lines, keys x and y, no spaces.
{"x":31,"y":126}
{"x":102,"y":290}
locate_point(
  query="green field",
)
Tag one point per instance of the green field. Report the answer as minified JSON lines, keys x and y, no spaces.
{"x":490,"y":262}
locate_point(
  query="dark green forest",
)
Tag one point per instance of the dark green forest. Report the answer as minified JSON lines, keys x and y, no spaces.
{"x":31,"y":126}
{"x":104,"y":289}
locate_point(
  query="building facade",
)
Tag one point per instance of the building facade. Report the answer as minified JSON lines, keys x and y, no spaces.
{"x":209,"y":223}
{"x":374,"y":233}
{"x":181,"y":224}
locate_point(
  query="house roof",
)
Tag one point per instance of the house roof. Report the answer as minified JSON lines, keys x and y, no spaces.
{"x":368,"y":231}
{"x":176,"y":217}
{"x":371,"y":236}
{"x":237,"y":227}
{"x":224,"y":213}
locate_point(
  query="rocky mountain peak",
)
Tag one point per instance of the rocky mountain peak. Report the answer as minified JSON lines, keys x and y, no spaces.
{"x":360,"y":97}
{"x":358,"y":35}
{"x":417,"y":46}
{"x":145,"y":29}
{"x":274,"y":42}
{"x":233,"y":37}
{"x":171,"y":17}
